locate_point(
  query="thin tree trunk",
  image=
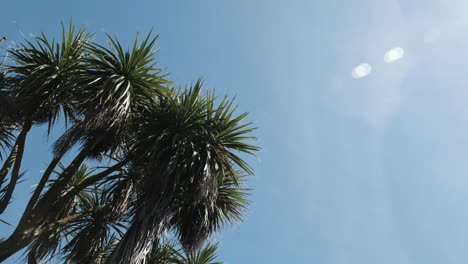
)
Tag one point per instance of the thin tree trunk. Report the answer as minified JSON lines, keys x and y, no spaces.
{"x":40,"y":186}
{"x":8,"y":163}
{"x":20,"y":143}
{"x":16,"y":242}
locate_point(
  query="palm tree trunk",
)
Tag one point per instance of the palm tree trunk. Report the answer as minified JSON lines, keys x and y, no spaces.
{"x":20,"y":143}
{"x":40,"y":186}
{"x":16,"y":242}
{"x":8,"y":163}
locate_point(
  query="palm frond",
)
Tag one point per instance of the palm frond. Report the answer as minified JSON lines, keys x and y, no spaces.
{"x":162,"y":253}
{"x":101,"y":222}
{"x":9,"y":119}
{"x":205,"y":255}
{"x":91,"y":233}
{"x":200,"y":142}
{"x":45,"y":74}
{"x":186,"y":145}
{"x":117,"y":85}
{"x":169,"y":253}
{"x":194,"y":222}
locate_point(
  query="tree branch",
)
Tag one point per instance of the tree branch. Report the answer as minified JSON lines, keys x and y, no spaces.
{"x":8,"y":163}
{"x":21,"y":141}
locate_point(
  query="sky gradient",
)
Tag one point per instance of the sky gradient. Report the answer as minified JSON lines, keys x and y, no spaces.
{"x":352,"y":170}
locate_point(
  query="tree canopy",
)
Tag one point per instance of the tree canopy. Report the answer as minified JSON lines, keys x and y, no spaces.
{"x":156,"y":170}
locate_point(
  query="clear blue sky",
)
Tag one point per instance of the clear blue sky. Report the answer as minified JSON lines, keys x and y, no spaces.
{"x":369,"y":170}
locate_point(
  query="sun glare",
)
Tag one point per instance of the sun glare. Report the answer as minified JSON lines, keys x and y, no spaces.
{"x":361,"y":71}
{"x":393,"y":55}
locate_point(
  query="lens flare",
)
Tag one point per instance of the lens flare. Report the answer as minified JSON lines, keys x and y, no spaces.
{"x":394,"y":55}
{"x":361,"y":71}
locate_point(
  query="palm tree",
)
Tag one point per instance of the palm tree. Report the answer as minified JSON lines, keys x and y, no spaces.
{"x":42,"y":85}
{"x":174,"y":157}
{"x":115,"y":85}
{"x":111,"y":86}
{"x":186,"y":144}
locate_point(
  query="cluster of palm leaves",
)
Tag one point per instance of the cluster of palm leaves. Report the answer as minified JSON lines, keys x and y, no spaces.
{"x":147,"y":158}
{"x":168,"y":253}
